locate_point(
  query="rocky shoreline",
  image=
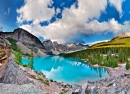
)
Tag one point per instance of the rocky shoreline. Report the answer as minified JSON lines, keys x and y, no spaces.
{"x":16,"y":79}
{"x":118,"y":82}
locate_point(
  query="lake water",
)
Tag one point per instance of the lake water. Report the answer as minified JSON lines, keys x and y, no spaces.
{"x":68,"y":70}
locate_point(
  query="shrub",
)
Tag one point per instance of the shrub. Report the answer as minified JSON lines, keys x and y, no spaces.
{"x":45,"y":82}
{"x":30,"y":64}
{"x":51,"y":80}
{"x":25,"y":65}
{"x":18,"y":56}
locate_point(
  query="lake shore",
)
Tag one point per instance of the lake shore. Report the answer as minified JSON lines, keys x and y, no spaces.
{"x":118,"y":82}
{"x":111,"y":71}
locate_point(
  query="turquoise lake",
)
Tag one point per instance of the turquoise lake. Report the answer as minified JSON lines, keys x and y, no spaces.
{"x":68,"y":70}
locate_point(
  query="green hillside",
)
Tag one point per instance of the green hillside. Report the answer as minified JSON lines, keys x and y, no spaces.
{"x":122,"y":42}
{"x":106,"y":53}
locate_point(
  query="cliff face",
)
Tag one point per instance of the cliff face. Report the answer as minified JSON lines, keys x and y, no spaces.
{"x":25,"y":38}
{"x":48,"y":44}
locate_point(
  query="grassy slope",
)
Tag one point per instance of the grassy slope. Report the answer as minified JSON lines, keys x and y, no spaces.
{"x":123,"y":42}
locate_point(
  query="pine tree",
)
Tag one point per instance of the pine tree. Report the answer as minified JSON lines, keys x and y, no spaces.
{"x":120,"y":56}
{"x":31,"y":62}
{"x":18,"y":56}
{"x":127,"y":65}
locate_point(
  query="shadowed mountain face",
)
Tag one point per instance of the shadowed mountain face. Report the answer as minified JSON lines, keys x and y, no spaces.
{"x":49,"y":45}
{"x":25,"y":38}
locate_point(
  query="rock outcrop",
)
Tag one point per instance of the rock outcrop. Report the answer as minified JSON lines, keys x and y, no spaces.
{"x":14,"y":80}
{"x":5,"y":50}
{"x":13,"y":74}
{"x":113,"y":85}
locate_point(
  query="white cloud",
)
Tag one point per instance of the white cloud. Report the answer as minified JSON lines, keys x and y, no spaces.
{"x":36,"y":11}
{"x":118,"y":5}
{"x":74,"y":20}
{"x":111,"y":25}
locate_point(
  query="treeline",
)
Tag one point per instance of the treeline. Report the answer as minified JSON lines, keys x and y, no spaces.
{"x":109,"y":57}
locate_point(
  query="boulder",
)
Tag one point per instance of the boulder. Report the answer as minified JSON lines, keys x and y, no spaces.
{"x":14,"y":74}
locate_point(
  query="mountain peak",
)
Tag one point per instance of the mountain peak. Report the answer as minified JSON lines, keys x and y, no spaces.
{"x":123,"y":35}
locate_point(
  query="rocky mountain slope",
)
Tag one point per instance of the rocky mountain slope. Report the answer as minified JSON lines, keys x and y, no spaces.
{"x":26,"y":39}
{"x":59,"y":48}
{"x":123,"y":35}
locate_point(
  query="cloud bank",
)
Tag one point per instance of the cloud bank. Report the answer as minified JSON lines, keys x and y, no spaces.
{"x":75,"y":20}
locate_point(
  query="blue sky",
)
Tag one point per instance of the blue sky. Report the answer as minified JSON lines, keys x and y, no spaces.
{"x":67,"y":20}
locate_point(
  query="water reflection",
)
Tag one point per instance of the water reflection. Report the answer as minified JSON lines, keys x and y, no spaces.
{"x":69,"y":70}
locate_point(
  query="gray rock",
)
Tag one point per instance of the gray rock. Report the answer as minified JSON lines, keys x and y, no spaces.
{"x":14,"y":74}
{"x":48,"y":45}
{"x":20,"y":89}
{"x":77,"y":91}
{"x":95,"y":91}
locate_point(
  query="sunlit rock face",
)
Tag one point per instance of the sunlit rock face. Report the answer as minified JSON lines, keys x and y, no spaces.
{"x":26,"y":38}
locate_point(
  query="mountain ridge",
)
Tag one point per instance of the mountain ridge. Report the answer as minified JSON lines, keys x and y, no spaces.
{"x":55,"y":46}
{"x":123,"y":35}
{"x":31,"y":41}
{"x":21,"y":35}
